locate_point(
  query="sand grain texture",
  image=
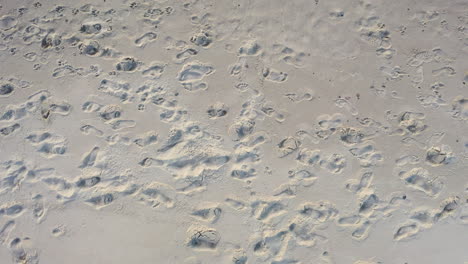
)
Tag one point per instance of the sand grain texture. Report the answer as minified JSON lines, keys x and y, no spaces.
{"x":235,"y":132}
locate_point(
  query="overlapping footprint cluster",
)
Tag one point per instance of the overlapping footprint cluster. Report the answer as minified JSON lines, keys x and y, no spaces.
{"x":270,"y":132}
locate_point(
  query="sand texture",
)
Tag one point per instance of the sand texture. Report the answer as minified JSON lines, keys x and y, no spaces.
{"x":237,"y":132}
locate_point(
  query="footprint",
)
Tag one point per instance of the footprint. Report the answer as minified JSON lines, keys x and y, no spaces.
{"x":460,"y":108}
{"x":175,"y":137}
{"x":309,"y":157}
{"x":367,"y":155}
{"x":386,"y":53}
{"x":423,"y":217}
{"x":147,"y":162}
{"x":8,"y":22}
{"x":394,"y":73}
{"x":349,"y":220}
{"x":91,"y":28}
{"x":62,"y":187}
{"x":319,"y":212}
{"x":346,"y":104}
{"x":21,"y":255}
{"x":405,"y":232}
{"x":88,"y":182}
{"x":58,"y":231}
{"x":407,"y":159}
{"x":88,"y":129}
{"x":236,"y":68}
{"x":273,"y":75}
{"x":359,"y":186}
{"x":110,"y":112}
{"x":273,"y":242}
{"x":241,"y":128}
{"x":265,"y":210}
{"x":90,"y":158}
{"x":418,"y":179}
{"x":288,"y":146}
{"x":20,"y":111}
{"x":118,"y":139}
{"x":146,"y":139}
{"x":127,"y":65}
{"x":331,"y":122}
{"x":306,"y":176}
{"x":418,"y":77}
{"x":62,"y":109}
{"x":15,"y":242}
{"x":6,"y":89}
{"x":192,"y":74}
{"x":202,"y":39}
{"x":362,"y":231}
{"x":14,"y":172}
{"x":202,"y":238}
{"x":294,"y":97}
{"x":249,"y":48}
{"x":170,"y":116}
{"x":90,"y":48}
{"x":51,"y":40}
{"x":368,"y":204}
{"x":101,"y":201}
{"x":290,"y":56}
{"x":412,"y":122}
{"x":464,"y":219}
{"x":351,"y":136}
{"x":145,"y":39}
{"x":208,"y":213}
{"x":110,"y":53}
{"x":449,"y":207}
{"x":6,"y":230}
{"x":39,"y":211}
{"x":9,"y":130}
{"x":122,"y":124}
{"x":12,"y":211}
{"x":184,"y":55}
{"x":217,"y":110}
{"x":429,"y":100}
{"x":91,"y":107}
{"x":239,"y":259}
{"x":157,"y":195}
{"x":335,"y":163}
{"x":48,"y":144}
{"x":288,"y":190}
{"x":194,"y":71}
{"x":154,"y":71}
{"x":442,"y":155}
{"x":447,"y":70}
{"x":120,"y":90}
{"x":243,"y":174}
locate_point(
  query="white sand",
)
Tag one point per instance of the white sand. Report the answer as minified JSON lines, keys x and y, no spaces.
{"x":233,"y":132}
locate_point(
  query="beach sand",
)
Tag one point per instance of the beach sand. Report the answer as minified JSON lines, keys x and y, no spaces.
{"x":243,"y":132}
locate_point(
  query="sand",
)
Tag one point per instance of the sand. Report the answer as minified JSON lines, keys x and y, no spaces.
{"x":250,"y":131}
